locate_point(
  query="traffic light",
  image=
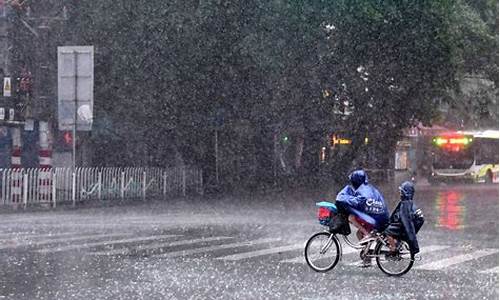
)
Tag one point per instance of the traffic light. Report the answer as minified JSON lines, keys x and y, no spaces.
{"x":285,"y":140}
{"x":25,"y":83}
{"x":68,"y":138}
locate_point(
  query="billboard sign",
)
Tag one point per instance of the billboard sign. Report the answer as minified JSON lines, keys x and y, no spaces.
{"x":75,"y":87}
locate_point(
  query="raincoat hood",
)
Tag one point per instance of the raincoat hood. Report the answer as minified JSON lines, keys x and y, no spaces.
{"x":358,"y":178}
{"x":407,"y":190}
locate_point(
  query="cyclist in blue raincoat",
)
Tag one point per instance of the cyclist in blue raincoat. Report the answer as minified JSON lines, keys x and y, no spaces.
{"x":364,"y":204}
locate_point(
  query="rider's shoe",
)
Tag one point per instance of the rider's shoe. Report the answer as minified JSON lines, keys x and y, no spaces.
{"x":365,"y":263}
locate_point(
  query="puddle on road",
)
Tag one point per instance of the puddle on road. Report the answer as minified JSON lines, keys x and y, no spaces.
{"x":450,"y":210}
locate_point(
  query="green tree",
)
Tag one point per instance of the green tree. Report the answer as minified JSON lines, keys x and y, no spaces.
{"x":165,"y":70}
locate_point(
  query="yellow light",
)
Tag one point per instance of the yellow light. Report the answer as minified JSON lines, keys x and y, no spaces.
{"x":366,"y":140}
{"x":463,"y":141}
{"x":340,"y":141}
{"x":440,"y":141}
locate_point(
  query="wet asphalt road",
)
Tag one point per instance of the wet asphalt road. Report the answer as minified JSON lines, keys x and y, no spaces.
{"x":245,"y":247}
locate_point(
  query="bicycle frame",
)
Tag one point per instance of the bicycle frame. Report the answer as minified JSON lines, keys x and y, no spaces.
{"x":378,"y":237}
{"x":330,"y":242}
{"x":351,"y":244}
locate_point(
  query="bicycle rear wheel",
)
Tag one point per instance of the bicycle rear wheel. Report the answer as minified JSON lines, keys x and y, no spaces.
{"x":396,"y":263}
{"x":322,"y":251}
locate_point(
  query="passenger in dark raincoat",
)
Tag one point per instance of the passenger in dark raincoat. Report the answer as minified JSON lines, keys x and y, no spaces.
{"x":406,"y":219}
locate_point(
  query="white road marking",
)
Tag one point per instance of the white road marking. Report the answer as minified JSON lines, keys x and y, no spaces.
{"x":425,"y":249}
{"x":217,"y":247}
{"x":262,"y":252}
{"x":61,"y":240}
{"x":105,"y":243}
{"x":302,"y":260}
{"x":16,"y":234}
{"x":447,"y":262}
{"x":31,"y":235}
{"x":127,"y":251}
{"x":493,"y":270}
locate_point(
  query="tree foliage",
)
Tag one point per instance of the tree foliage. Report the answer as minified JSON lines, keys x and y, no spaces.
{"x":169,"y":73}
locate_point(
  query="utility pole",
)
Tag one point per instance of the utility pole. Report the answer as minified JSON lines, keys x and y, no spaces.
{"x":4,"y":42}
{"x":216,"y":157}
{"x":38,"y":105}
{"x":41,"y":26}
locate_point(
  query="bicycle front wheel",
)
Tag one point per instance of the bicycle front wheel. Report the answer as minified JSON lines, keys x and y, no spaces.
{"x":394,"y":263}
{"x":322,"y":251}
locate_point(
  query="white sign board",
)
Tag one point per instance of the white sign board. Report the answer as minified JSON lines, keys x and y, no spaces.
{"x":75,"y":87}
{"x":7,"y":87}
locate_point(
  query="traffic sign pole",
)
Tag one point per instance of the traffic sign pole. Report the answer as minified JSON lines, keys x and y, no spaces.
{"x":74,"y":116}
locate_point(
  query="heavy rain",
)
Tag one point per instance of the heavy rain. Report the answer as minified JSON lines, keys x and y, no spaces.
{"x":283,"y":149}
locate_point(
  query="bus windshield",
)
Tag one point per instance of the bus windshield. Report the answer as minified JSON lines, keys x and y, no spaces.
{"x":446,"y":159}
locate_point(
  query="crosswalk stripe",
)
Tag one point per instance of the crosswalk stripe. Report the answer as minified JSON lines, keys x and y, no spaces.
{"x":490,"y":271}
{"x":217,"y":247}
{"x":425,"y":249}
{"x":302,"y":260}
{"x":450,"y":261}
{"x":31,"y":235}
{"x":105,"y":243}
{"x":251,"y":254}
{"x":432,"y":248}
{"x":50,"y":241}
{"x":16,"y":234}
{"x":127,"y":251}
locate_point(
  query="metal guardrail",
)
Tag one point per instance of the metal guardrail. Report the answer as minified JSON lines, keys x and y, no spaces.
{"x":50,"y":186}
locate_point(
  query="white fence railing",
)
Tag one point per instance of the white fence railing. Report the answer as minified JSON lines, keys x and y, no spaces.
{"x":51,"y":186}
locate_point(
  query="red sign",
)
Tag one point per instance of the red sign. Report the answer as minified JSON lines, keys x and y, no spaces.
{"x":68,"y":138}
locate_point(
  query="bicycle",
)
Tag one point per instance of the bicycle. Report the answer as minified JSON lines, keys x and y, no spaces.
{"x":323,"y":250}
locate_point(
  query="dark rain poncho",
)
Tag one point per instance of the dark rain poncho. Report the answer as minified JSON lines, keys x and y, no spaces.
{"x":405,"y":222}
